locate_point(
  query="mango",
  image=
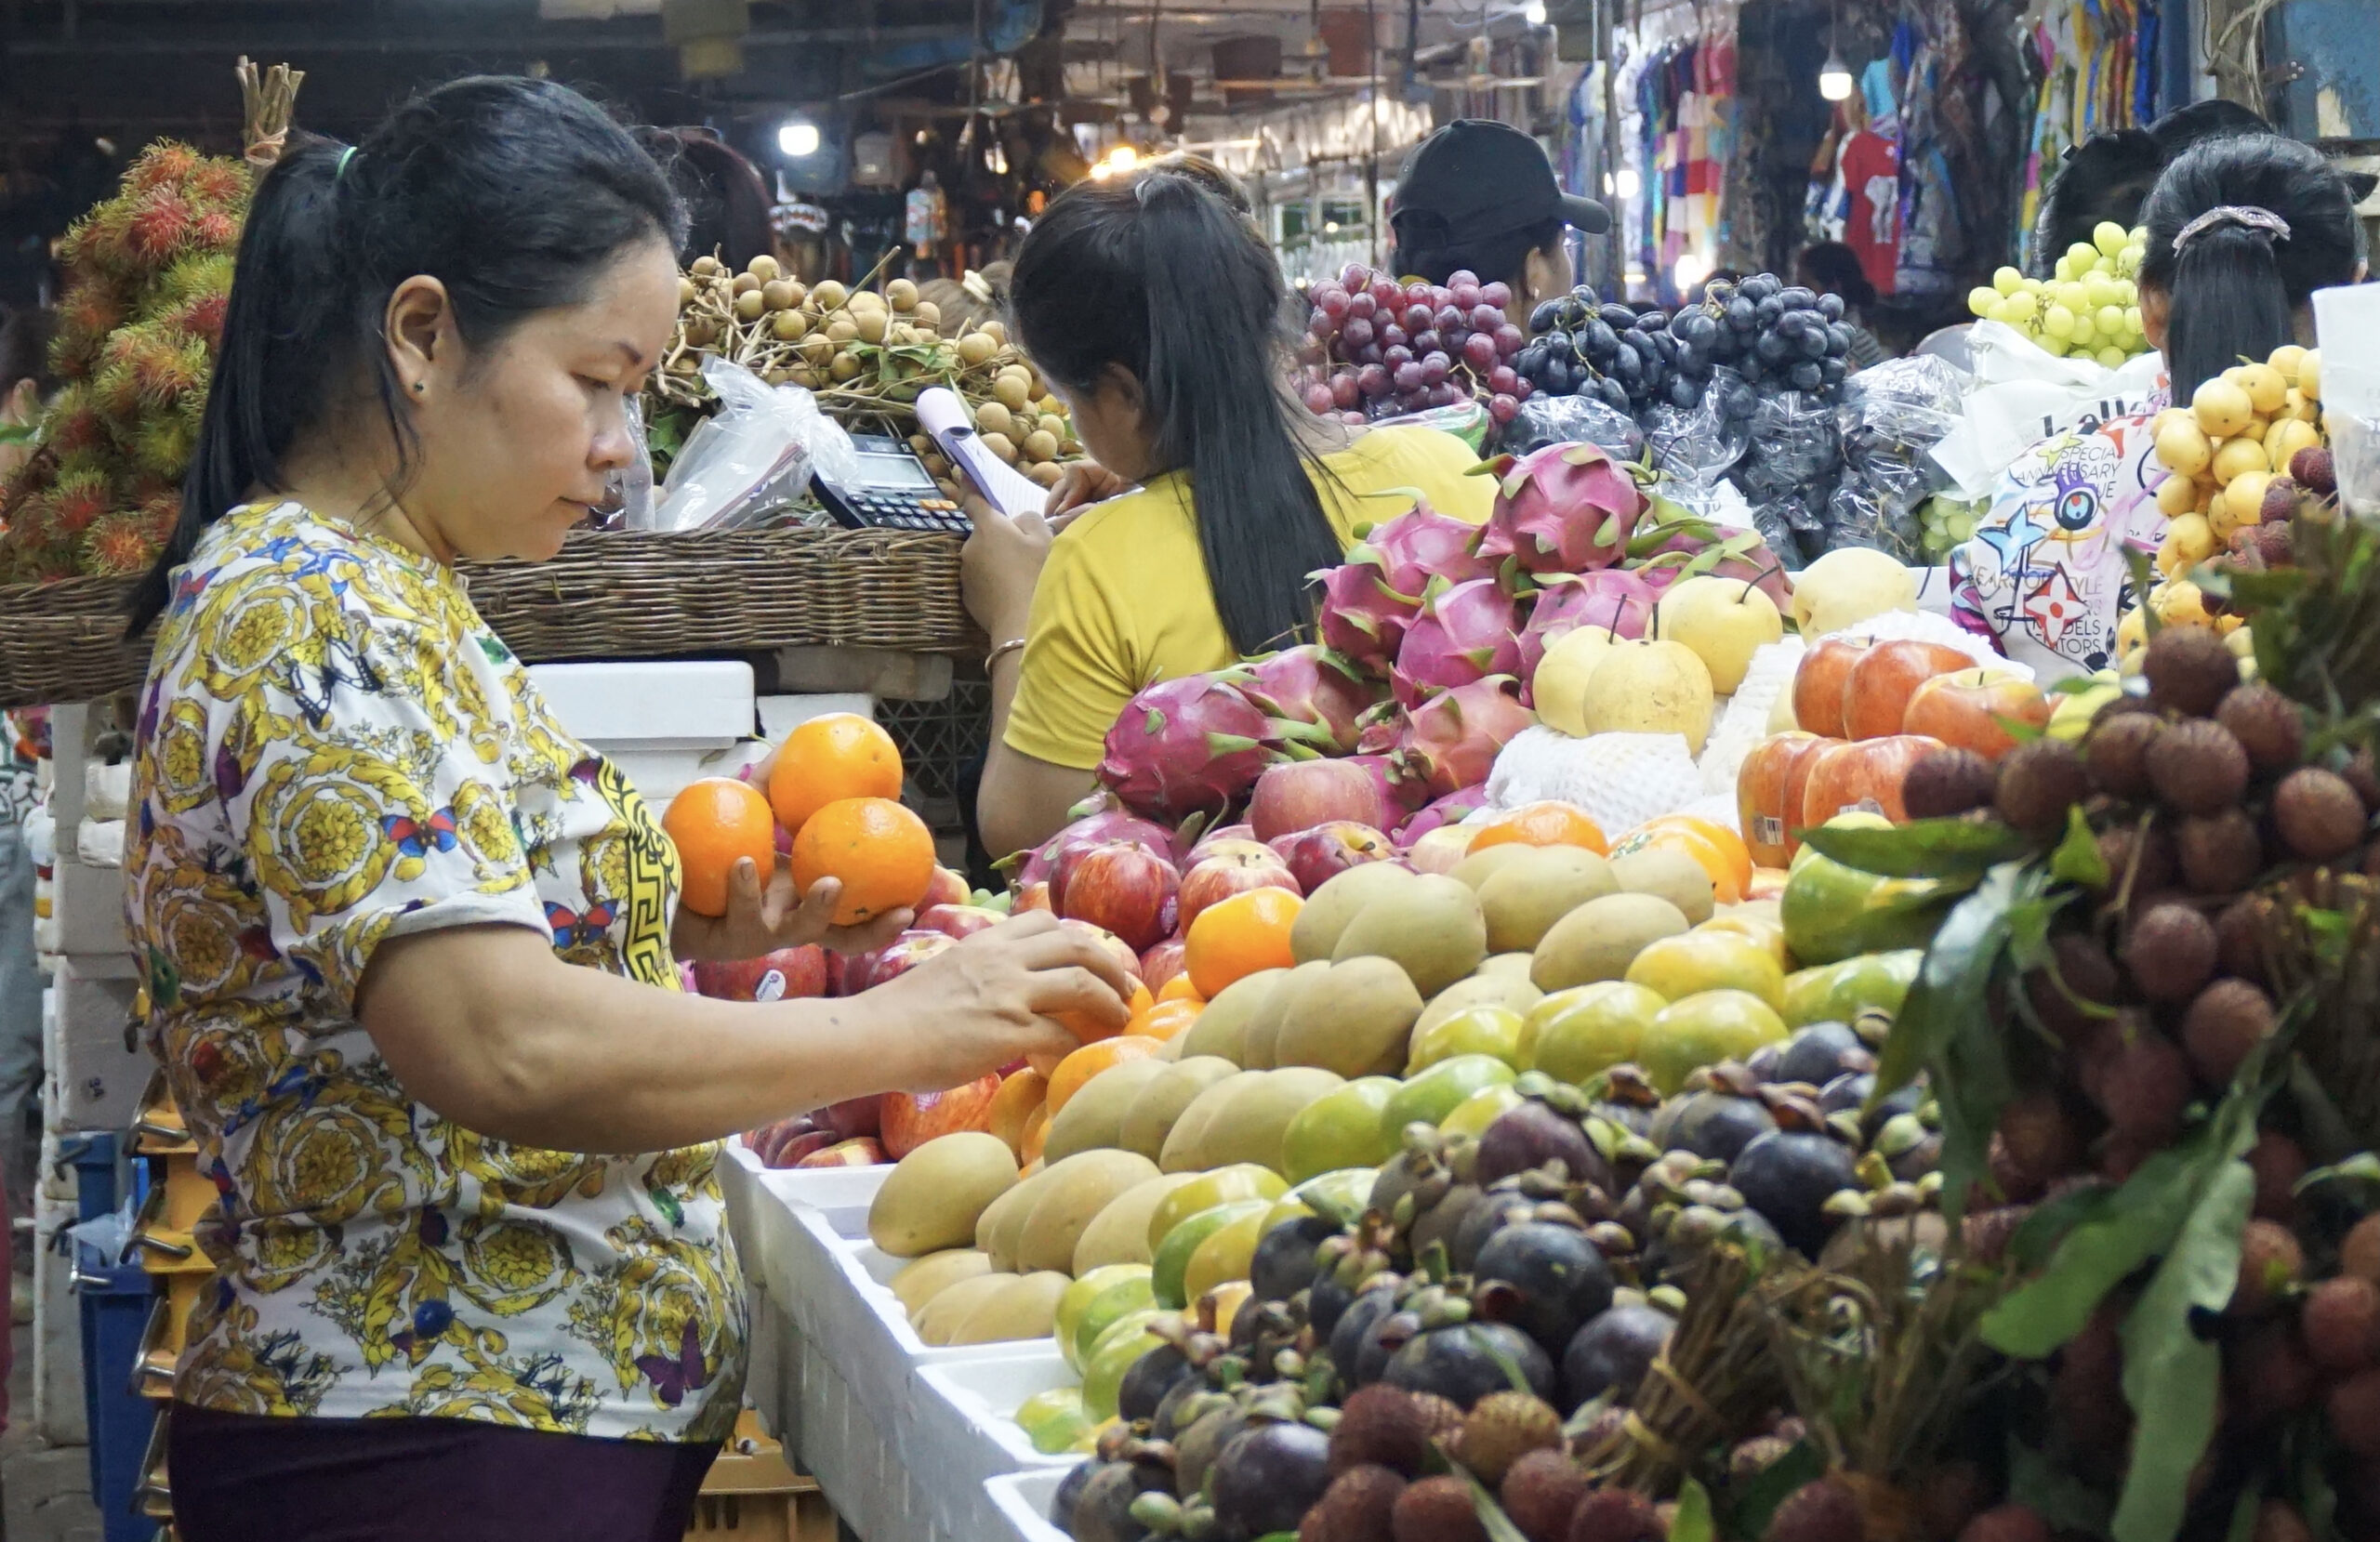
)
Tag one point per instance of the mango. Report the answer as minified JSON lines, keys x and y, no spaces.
{"x":1024,"y":1309}
{"x":1119,"y":1234}
{"x":1259,"y":1045}
{"x":1073,"y":1192}
{"x":1315,"y":934}
{"x":1600,"y":939}
{"x":1093,"y":1116}
{"x":1353,"y":1018}
{"x":1222,"y":1029}
{"x":939,"y":1318}
{"x":1523,"y":897}
{"x":932,"y":1197}
{"x":922,"y":1279}
{"x":1338,"y":1129}
{"x":1162,"y":1099}
{"x":1433,"y":927}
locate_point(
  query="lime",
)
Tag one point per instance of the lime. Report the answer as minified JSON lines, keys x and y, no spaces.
{"x":1873,"y":982}
{"x":1242,"y":1180}
{"x":1225,"y":1255}
{"x":1697,"y":961}
{"x":1439,"y":1091}
{"x":1053,"y":1421}
{"x":1473,"y":1115}
{"x":1118,"y":1350}
{"x":1703,"y":1030}
{"x":1585,"y":1031}
{"x":1474,"y":1030}
{"x":1338,"y":1129}
{"x":1341,"y":1195}
{"x":1094,"y":1301}
{"x":1171,"y":1266}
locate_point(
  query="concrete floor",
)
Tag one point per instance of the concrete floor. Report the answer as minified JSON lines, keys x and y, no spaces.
{"x":48,"y":1487}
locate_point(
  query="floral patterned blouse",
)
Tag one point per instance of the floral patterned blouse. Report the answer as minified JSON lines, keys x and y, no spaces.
{"x":335,"y":750}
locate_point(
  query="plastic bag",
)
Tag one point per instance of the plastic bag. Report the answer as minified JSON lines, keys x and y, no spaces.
{"x":628,"y":493}
{"x":1466,"y":420}
{"x":1693,"y":447}
{"x":752,"y":458}
{"x":1794,"y":446}
{"x":1545,"y":419}
{"x":2023,"y":394}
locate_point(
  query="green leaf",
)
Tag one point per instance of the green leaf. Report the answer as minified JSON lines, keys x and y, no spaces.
{"x":1756,"y":1501}
{"x":2053,"y":1492}
{"x":1491,"y":1515}
{"x":2143,"y":580}
{"x":2040,"y":1232}
{"x":2359,"y":1172}
{"x":1960,"y":959}
{"x":2172,"y":1377}
{"x":2072,"y":685}
{"x":1922,"y":849}
{"x":2077,"y":859}
{"x":2017,"y":728}
{"x":2244,"y":1516}
{"x":1692,"y":1522}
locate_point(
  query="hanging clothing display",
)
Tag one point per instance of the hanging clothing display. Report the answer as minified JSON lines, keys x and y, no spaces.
{"x":1869,"y":169}
{"x":1686,"y":115}
{"x":2094,"y":81}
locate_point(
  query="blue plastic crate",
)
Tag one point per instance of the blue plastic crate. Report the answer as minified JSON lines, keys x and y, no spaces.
{"x":115,"y":1301}
{"x":98,"y":1177}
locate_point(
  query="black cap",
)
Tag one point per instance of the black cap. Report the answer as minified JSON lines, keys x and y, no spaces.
{"x":1487,"y":179}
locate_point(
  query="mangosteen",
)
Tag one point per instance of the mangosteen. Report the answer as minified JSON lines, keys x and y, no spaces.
{"x":1849,"y":1093}
{"x":1530,"y":1135}
{"x":1325,"y":1300}
{"x":1379,"y":1346}
{"x":1103,"y":1507}
{"x":1268,"y":1477}
{"x":1787,"y":1176}
{"x":1440,"y":1222}
{"x":1467,"y":1361}
{"x":1283,"y":1263}
{"x":1491,"y":1216}
{"x":1612,"y":1353}
{"x":1818,"y":1054}
{"x":1150,"y":1377}
{"x":1711,"y":1124}
{"x":1179,"y":1409}
{"x":1559,"y":1278}
{"x":1354,"y":1329}
{"x":1203,"y":1443}
{"x":1070,"y":1488}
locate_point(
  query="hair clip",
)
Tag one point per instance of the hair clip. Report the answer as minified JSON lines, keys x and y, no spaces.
{"x":2246,"y":214}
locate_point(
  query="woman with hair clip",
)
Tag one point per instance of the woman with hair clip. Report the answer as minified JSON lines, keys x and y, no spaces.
{"x":409,"y":949}
{"x":2243,"y":229}
{"x":1157,"y":313}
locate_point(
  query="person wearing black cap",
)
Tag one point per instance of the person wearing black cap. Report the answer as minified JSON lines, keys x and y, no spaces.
{"x":1480,"y":196}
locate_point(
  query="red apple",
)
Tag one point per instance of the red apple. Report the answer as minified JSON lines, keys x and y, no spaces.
{"x":912,"y":1119}
{"x":1768,"y":794}
{"x":1032,"y":896}
{"x":1819,"y":682}
{"x":1876,"y":693}
{"x":1442,"y":850}
{"x":1124,"y":955}
{"x":1303,"y":795}
{"x":946,"y":889}
{"x":1866,"y":774}
{"x":853,"y":1116}
{"x":895,"y":959}
{"x":862,"y":1152}
{"x":1161,"y":963}
{"x":958,"y":920}
{"x":1318,"y":855}
{"x":1965,"y":708}
{"x":1125,"y":890}
{"x":795,"y":1150}
{"x":1210,"y":843}
{"x":787,"y":973}
{"x":1246,"y":866}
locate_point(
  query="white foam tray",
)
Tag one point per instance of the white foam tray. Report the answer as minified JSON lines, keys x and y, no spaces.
{"x":1020,"y":1500}
{"x":965,"y":1412}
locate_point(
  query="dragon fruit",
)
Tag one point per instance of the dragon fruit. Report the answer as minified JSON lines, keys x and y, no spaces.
{"x":1450,"y":741}
{"x":1313,"y":695}
{"x":1423,"y":546}
{"x":1678,"y":545}
{"x":1564,"y":509}
{"x":1363,"y":619}
{"x":1613,"y":599}
{"x":1453,"y":809}
{"x":1402,"y":795}
{"x":1109,"y":824}
{"x":1184,"y":746}
{"x":1465,"y":633}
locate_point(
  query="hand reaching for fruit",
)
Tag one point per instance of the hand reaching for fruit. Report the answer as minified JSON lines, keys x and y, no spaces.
{"x":993,"y":1000}
{"x":763,"y":918}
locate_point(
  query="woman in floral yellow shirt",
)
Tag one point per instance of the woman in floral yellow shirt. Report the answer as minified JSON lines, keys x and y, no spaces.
{"x":410,"y":949}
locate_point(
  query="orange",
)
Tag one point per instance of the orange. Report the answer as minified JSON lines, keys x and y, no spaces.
{"x":1721,"y":852}
{"x":1014,"y":1104}
{"x":1547,"y":823}
{"x":714,"y":822}
{"x":1090,"y":1030}
{"x":1166,"y":1019}
{"x":1036,"y":1135}
{"x":1233,"y":938}
{"x":826,"y":759}
{"x":1089,"y":1061}
{"x":882,"y":852}
{"x":1179,"y":988}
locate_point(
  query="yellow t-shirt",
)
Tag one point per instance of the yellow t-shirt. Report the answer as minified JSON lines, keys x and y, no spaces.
{"x":1123,"y":601}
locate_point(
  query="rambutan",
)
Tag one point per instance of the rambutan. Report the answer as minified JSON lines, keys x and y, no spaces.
{"x":88,"y":313}
{"x":162,"y":164}
{"x":190,"y":278}
{"x":80,"y":501}
{"x":217,"y":183}
{"x":163,"y":443}
{"x":118,"y":545}
{"x":74,"y":428}
{"x":203,"y":319}
{"x":160,"y":226}
{"x":215,"y":230}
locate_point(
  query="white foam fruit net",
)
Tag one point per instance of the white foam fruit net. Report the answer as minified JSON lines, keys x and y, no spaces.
{"x":1743,"y":718}
{"x":1620,"y":780}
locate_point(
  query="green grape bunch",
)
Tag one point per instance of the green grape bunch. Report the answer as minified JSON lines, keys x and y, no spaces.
{"x":2090,"y":310}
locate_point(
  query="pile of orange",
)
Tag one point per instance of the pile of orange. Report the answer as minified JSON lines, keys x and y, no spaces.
{"x":717,"y":823}
{"x":1719,"y":851}
{"x":1233,"y":939}
{"x":1547,"y":823}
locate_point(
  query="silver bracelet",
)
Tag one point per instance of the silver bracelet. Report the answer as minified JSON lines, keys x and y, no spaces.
{"x":1002,"y":652}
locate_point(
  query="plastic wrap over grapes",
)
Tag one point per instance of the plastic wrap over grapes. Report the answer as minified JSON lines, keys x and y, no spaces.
{"x":1693,"y":447}
{"x":1891,"y":417}
{"x":1545,"y":420}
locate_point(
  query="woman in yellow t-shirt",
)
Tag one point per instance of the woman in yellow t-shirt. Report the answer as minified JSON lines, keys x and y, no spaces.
{"x":1155,"y":311}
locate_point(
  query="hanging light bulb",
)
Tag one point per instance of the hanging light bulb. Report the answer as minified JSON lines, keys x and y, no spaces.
{"x":1834,"y":77}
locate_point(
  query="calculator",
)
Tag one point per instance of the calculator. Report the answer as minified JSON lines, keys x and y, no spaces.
{"x":894,"y":491}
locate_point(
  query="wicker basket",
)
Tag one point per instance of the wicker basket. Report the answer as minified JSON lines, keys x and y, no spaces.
{"x":609,"y":595}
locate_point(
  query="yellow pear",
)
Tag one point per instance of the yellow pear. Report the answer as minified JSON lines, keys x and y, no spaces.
{"x":1652,"y":686}
{"x":1722,"y":620}
{"x":1559,"y":687}
{"x":1848,"y":586}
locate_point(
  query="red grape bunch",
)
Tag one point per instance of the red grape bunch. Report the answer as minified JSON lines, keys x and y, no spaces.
{"x":1379,"y":349}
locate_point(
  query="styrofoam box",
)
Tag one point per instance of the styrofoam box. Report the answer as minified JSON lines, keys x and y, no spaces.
{"x":664,"y":724}
{"x":100,"y":1081}
{"x":1021,"y":1502}
{"x":87,"y":906}
{"x":965,"y":1412}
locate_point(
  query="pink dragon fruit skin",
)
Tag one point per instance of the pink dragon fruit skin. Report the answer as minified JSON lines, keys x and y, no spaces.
{"x":1403,"y":795}
{"x":1612,"y":598}
{"x":1465,"y":633}
{"x":1110,"y":825}
{"x":1450,"y":741}
{"x":1563,"y":508}
{"x":1453,"y":809}
{"x":1312,"y":694}
{"x":1422,"y":547}
{"x":1363,"y":620}
{"x":1672,"y":547}
{"x":1189,"y":746}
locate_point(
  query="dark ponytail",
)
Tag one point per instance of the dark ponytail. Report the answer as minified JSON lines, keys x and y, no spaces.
{"x":1429,"y":247}
{"x":1162,"y":275}
{"x":514,"y":193}
{"x":2235,"y":282}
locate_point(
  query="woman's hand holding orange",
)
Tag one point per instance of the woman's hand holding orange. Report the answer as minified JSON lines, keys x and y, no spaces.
{"x":993,"y":1000}
{"x":763,"y":918}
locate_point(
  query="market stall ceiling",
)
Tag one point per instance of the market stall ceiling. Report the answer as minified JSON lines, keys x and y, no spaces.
{"x":148,"y":66}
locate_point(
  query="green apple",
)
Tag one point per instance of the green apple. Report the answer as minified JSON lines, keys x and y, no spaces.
{"x":1475,"y":1031}
{"x":1338,"y":1129}
{"x":1722,"y":620}
{"x":1582,"y":1032}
